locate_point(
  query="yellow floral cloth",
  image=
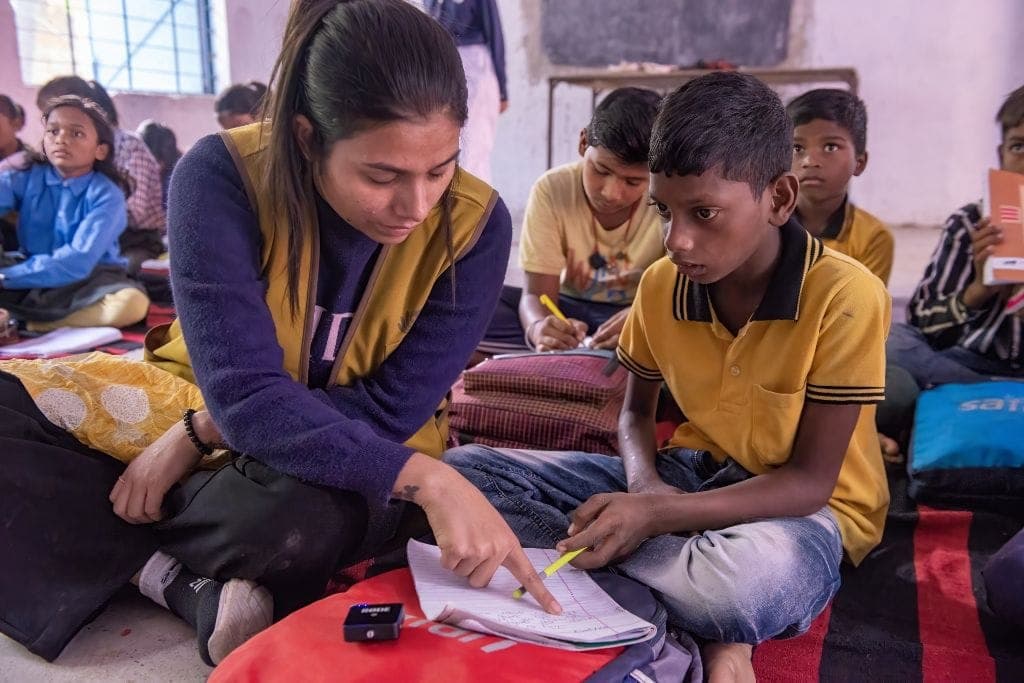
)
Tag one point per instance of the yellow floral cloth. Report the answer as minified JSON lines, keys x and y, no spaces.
{"x":116,"y":406}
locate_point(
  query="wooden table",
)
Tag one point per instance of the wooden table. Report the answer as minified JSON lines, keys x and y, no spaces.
{"x":606,"y":79}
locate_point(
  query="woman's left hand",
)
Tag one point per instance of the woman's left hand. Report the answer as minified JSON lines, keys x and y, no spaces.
{"x":611,"y":525}
{"x":139,"y":492}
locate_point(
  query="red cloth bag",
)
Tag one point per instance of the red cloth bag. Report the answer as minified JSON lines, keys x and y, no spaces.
{"x":550,"y":401}
{"x":308,"y":646}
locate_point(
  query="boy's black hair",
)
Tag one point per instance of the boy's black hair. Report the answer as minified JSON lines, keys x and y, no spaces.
{"x":832,"y":104}
{"x":622,"y":123}
{"x":10,"y":108}
{"x":1011,"y":114}
{"x":724,"y":120}
{"x":161,"y":141}
{"x":241,"y":98}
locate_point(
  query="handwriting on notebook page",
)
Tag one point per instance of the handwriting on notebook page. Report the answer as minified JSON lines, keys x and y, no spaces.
{"x":589,"y":615}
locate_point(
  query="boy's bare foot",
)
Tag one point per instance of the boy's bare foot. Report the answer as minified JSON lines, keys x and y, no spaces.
{"x":728,"y":663}
{"x":890,"y":449}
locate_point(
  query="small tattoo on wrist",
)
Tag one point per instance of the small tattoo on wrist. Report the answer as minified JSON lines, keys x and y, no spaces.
{"x":407,"y":493}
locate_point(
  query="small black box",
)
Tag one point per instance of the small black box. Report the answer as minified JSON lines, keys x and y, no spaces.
{"x":366,"y":622}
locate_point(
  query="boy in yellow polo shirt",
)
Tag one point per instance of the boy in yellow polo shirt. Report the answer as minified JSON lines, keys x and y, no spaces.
{"x":830,"y":129}
{"x":773,"y":346}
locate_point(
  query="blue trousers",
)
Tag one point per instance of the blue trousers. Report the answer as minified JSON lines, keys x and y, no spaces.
{"x":745,"y":583}
{"x":908,"y":348}
{"x":912,"y":365}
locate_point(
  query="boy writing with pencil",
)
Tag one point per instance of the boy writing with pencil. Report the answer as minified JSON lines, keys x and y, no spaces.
{"x":588,"y":235}
{"x":773,"y":347}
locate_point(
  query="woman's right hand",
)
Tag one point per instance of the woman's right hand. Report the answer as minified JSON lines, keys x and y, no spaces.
{"x":553,"y":334}
{"x":473,"y":538}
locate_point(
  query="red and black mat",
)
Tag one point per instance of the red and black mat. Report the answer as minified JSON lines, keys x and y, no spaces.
{"x":915,"y":609}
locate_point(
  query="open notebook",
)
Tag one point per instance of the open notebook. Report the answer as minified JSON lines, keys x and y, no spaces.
{"x":62,"y":341}
{"x":590,"y":618}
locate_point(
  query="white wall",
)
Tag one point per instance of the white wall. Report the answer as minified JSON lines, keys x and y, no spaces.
{"x":932,"y":76}
{"x":254,"y":37}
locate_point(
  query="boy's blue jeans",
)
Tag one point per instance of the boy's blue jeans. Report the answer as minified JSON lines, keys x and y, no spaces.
{"x":908,"y":348}
{"x":745,"y":583}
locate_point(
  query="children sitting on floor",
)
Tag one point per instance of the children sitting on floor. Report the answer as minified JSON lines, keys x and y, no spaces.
{"x":143,"y":238}
{"x":588,"y":235}
{"x":959,"y":329}
{"x":830,"y":148}
{"x":773,"y":346}
{"x":239,"y":104}
{"x":71,"y":204}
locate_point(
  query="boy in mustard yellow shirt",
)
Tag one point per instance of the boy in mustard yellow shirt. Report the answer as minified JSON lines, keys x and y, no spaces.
{"x":830,"y":148}
{"x":773,"y":346}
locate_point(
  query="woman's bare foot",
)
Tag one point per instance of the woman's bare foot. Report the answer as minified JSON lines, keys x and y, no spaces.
{"x":890,"y":449}
{"x":728,"y":663}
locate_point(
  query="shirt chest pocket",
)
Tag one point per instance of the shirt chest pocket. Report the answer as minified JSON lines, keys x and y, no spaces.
{"x":775,"y":418}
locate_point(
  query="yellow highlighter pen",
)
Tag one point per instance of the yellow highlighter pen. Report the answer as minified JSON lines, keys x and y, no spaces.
{"x":553,"y":307}
{"x":551,"y":568}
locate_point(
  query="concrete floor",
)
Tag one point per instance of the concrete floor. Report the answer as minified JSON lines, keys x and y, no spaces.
{"x":134,"y":640}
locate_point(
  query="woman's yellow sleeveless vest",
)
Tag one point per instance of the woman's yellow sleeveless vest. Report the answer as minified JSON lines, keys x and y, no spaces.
{"x":399,"y":285}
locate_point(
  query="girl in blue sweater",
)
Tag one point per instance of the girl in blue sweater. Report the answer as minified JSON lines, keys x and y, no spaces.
{"x":68,"y":270}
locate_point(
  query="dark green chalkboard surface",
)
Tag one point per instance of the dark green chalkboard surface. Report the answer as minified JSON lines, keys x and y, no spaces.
{"x":679,"y":32}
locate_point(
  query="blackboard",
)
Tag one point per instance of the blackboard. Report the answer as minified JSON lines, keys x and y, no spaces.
{"x":678,"y":32}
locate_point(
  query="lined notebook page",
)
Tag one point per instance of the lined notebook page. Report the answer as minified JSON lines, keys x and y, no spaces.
{"x":589,"y":619}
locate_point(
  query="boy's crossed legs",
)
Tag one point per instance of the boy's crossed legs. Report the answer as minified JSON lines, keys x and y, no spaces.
{"x":742,"y":584}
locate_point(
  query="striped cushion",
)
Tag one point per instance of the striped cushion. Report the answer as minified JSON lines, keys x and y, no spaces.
{"x":550,"y":401}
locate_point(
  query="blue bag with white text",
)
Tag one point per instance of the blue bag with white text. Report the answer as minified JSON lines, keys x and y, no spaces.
{"x":968,"y":446}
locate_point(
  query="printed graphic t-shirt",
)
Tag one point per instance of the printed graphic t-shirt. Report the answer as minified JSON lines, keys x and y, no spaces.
{"x":561,"y":237}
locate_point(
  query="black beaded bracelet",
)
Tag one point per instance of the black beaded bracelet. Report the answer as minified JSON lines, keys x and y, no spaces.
{"x":203,"y":448}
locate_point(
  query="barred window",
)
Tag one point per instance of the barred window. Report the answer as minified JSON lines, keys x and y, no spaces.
{"x":159,"y":46}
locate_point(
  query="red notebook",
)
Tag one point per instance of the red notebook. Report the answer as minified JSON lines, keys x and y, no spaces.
{"x":1006,"y":207}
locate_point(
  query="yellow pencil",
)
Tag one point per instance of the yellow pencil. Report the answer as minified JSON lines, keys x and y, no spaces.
{"x":553,"y":307}
{"x":551,"y":568}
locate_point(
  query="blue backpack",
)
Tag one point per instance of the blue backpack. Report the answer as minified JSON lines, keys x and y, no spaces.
{"x":968,"y":446}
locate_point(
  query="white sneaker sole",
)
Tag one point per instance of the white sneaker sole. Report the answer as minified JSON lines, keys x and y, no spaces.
{"x":245,"y":609}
